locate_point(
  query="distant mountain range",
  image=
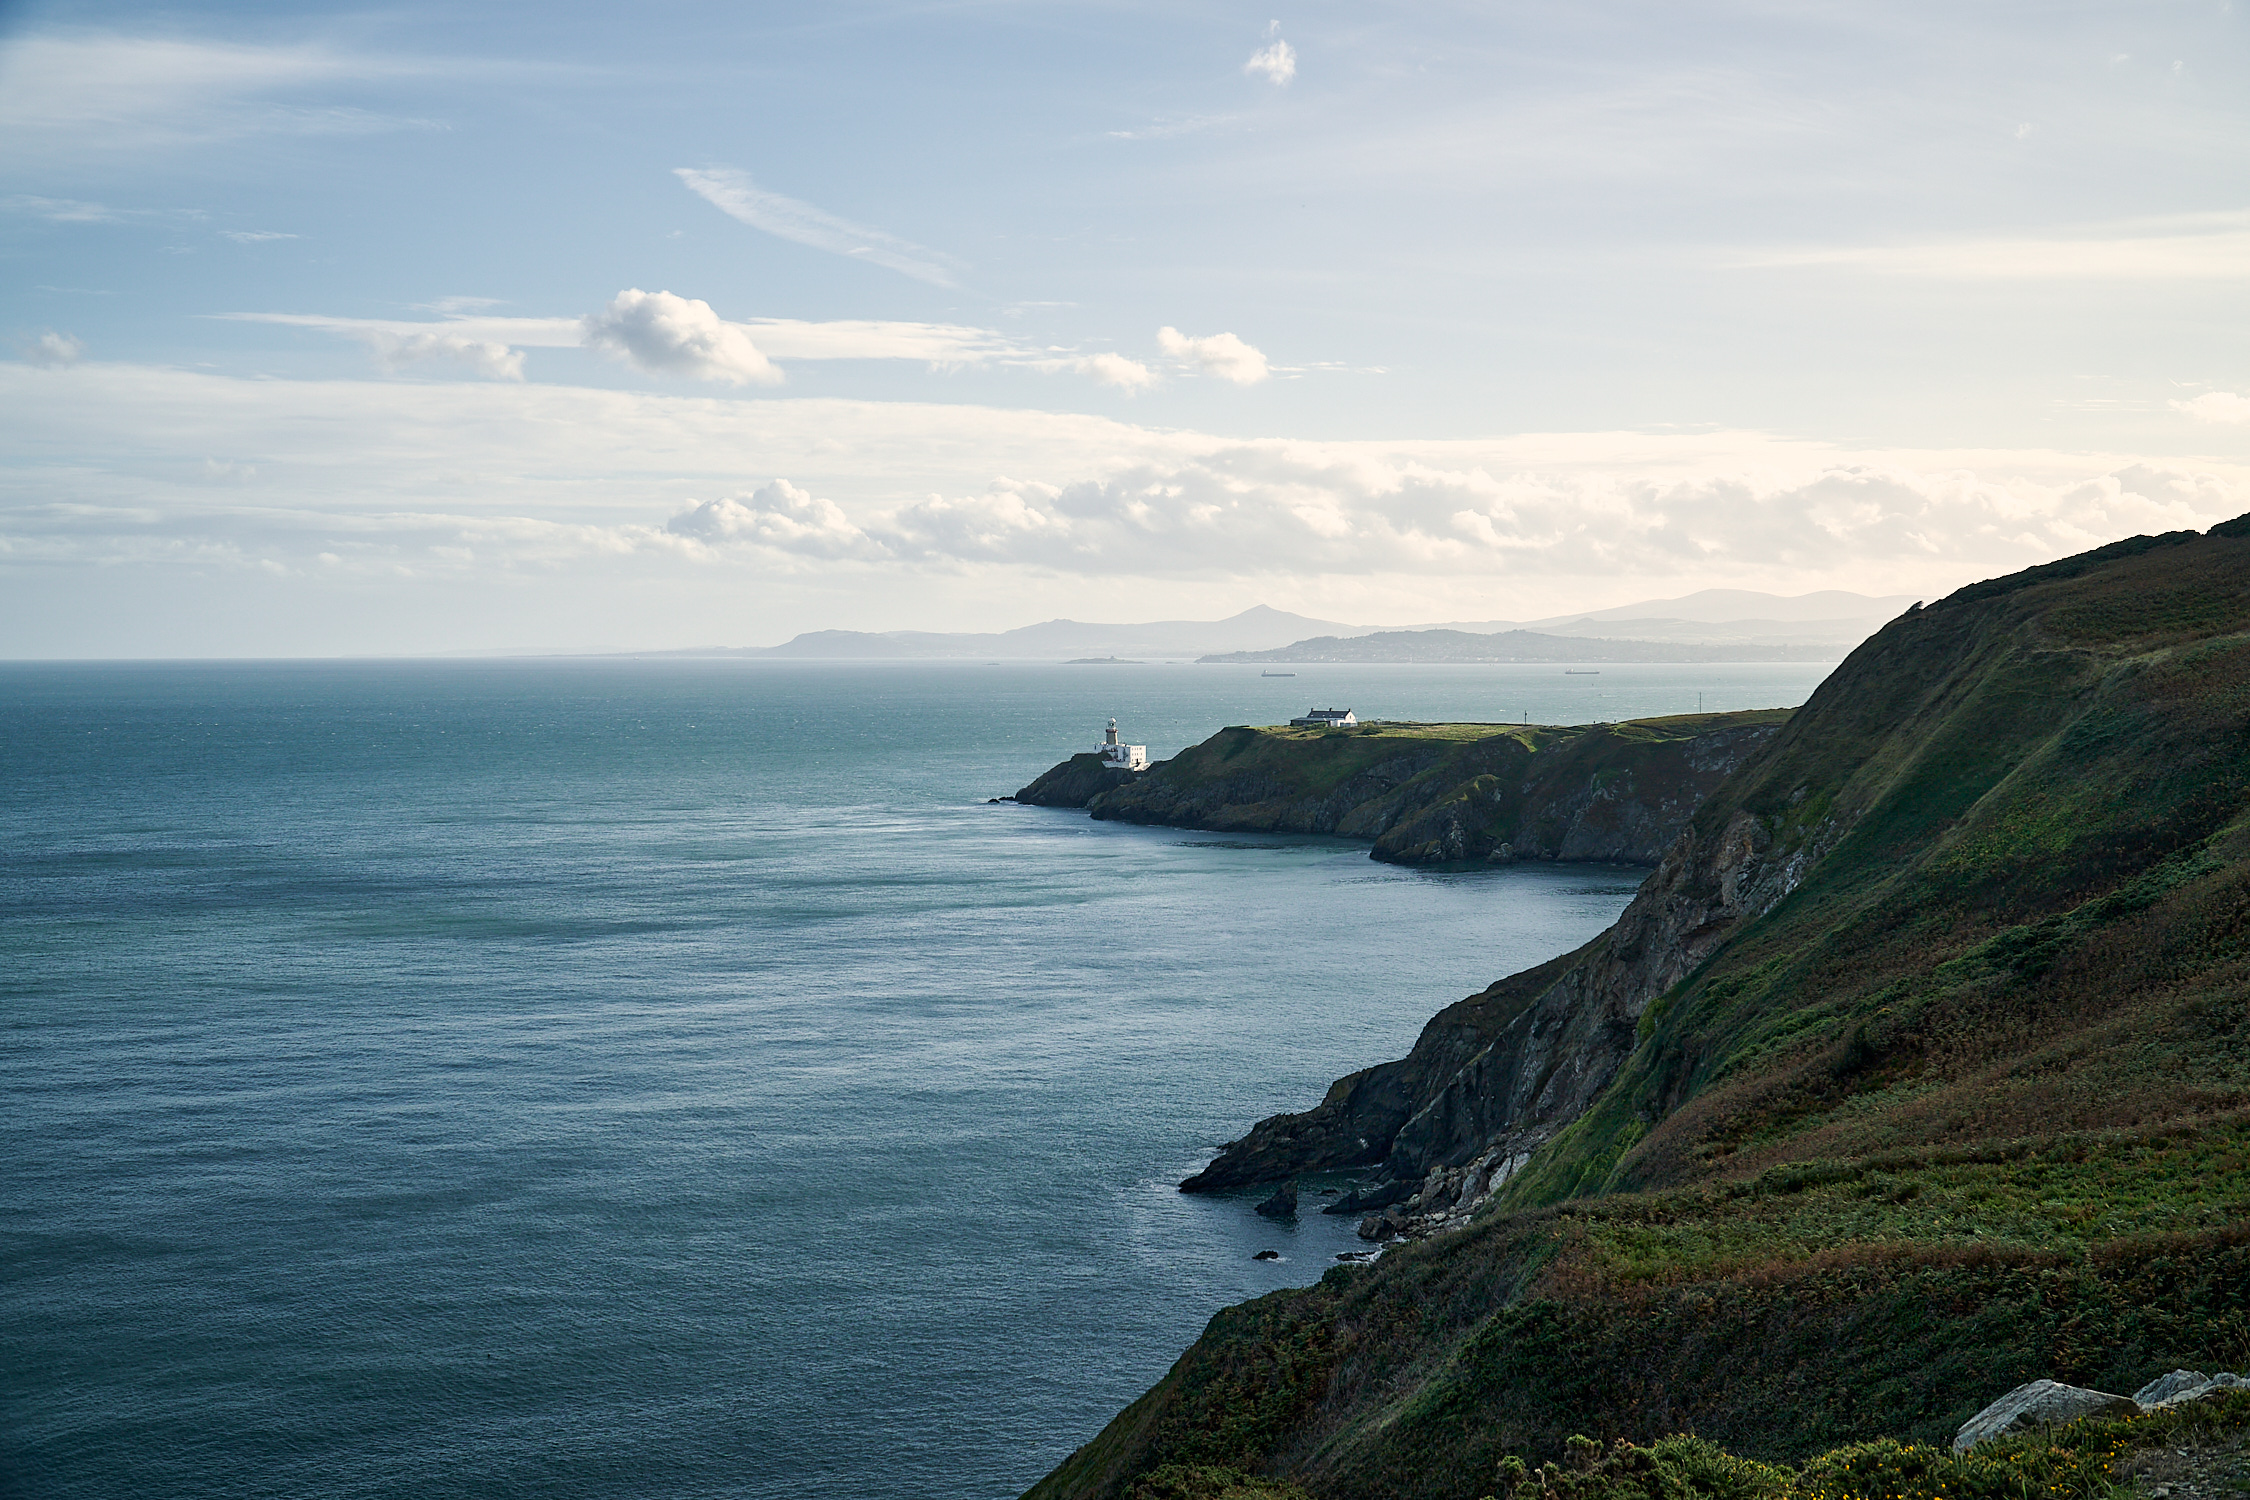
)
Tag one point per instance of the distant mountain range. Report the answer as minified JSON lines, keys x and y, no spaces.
{"x":1526,"y":646}
{"x":1255,"y":629}
{"x":1738,"y":624}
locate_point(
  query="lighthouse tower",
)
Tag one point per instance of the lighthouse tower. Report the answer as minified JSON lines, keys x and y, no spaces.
{"x":1122,"y":757}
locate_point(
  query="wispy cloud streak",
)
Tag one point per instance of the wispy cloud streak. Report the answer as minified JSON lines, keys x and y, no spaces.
{"x":735,"y":195}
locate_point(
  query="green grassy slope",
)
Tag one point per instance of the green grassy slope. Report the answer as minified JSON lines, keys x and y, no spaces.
{"x":1928,"y":1071}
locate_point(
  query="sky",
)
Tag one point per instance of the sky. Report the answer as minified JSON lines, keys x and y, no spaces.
{"x":397,"y":330}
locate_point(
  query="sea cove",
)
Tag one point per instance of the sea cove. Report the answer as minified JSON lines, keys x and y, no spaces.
{"x":607,"y":1078}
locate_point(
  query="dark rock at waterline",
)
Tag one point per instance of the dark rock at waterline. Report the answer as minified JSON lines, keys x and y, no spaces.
{"x":1359,"y":1200}
{"x":1382,"y":1226}
{"x":1267,"y":1255}
{"x":1283,"y":1203}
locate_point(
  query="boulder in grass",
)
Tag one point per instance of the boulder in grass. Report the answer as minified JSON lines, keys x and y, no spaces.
{"x":2043,"y":1403}
{"x":2165,"y":1387}
{"x":2183,"y":1386}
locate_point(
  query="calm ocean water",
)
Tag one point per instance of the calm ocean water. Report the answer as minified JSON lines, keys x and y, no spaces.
{"x":635,"y":1079}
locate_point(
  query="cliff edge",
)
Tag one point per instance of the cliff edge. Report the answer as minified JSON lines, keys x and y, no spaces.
{"x":1922,"y":1061}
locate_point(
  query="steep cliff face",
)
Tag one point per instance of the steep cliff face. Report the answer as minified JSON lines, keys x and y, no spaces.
{"x":1447,"y":793}
{"x":1509,"y":1067}
{"x":1926,"y":1045}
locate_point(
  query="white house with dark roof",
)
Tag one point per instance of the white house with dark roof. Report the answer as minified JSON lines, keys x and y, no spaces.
{"x":1325,"y":718}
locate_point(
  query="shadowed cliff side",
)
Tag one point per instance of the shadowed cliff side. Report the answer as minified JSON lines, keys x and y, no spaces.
{"x":1075,"y":782}
{"x":1437,"y":793}
{"x":1925,"y":1052}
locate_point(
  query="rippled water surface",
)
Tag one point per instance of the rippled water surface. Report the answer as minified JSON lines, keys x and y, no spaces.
{"x":668,"y":1078}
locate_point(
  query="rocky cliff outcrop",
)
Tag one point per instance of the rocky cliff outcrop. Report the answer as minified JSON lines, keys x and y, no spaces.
{"x":1427,"y":794}
{"x":1502,"y":1071}
{"x":1076,"y":782}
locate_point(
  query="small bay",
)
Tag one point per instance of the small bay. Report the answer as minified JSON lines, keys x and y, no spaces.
{"x":671,"y":1077}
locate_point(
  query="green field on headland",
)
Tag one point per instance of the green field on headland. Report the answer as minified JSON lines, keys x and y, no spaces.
{"x":1918,"y":1069}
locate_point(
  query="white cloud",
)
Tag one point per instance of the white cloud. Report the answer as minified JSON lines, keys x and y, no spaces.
{"x":735,"y":195}
{"x":1222,"y":354}
{"x":2217,"y":406}
{"x":254,"y":236}
{"x":678,"y":336}
{"x":1127,"y":375}
{"x":469,"y":481}
{"x":84,"y":93}
{"x":942,"y":346}
{"x":2182,"y":247}
{"x":1165,"y":130}
{"x":1275,"y":62}
{"x":777,"y":515}
{"x":1308,"y":510}
{"x":53,"y":351}
{"x":482,"y":356}
{"x":485,"y":346}
{"x":61,"y":210}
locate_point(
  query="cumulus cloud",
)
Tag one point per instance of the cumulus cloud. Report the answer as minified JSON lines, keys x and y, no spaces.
{"x":53,"y":351}
{"x":777,"y":515}
{"x":671,"y":335}
{"x":466,"y":481}
{"x":1220,"y":354}
{"x":2216,"y":406}
{"x":481,"y":356}
{"x":1276,"y":62}
{"x":735,"y":195}
{"x":1128,"y":375}
{"x":1305,"y":510}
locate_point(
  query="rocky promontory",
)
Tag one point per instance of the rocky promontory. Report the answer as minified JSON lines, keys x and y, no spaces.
{"x":1076,"y":782}
{"x":1436,"y":793}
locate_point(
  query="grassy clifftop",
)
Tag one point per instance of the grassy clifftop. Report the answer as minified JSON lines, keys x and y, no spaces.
{"x":1919,"y":1068}
{"x":1441,"y":793}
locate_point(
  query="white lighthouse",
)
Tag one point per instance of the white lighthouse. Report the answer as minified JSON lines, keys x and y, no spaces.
{"x":1123,"y":757}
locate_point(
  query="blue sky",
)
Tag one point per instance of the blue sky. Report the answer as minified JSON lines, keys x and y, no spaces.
{"x":382,"y":330}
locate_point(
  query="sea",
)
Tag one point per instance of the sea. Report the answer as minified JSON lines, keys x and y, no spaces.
{"x":671,"y":1077}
